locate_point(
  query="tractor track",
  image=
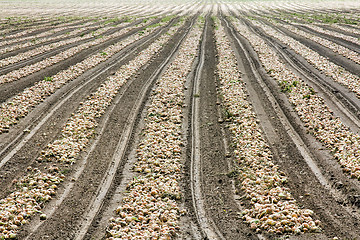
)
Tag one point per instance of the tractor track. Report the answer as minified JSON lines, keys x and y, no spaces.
{"x":310,"y":169}
{"x":119,"y":123}
{"x":211,"y":196}
{"x":10,"y":89}
{"x":210,"y":183}
{"x":39,"y":57}
{"x":44,"y":123}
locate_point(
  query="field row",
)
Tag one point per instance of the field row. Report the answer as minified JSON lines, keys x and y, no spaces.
{"x":224,"y":125}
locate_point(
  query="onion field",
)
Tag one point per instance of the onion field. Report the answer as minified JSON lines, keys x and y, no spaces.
{"x":187,"y":119}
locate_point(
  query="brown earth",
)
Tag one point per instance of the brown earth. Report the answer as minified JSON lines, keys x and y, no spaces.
{"x":315,"y":179}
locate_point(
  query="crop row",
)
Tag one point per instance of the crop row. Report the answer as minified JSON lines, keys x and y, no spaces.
{"x":149,"y":210}
{"x":44,"y":48}
{"x":346,"y":52}
{"x":334,"y":34}
{"x":20,"y":105}
{"x":318,"y":119}
{"x":16,"y":37}
{"x":325,"y":18}
{"x":35,"y":41}
{"x":79,"y":128}
{"x":347,"y":29}
{"x":18,"y":27}
{"x":44,"y":40}
{"x":337,"y":73}
{"x":11,"y":25}
{"x":18,"y":22}
{"x":273,"y":207}
{"x":29,"y":69}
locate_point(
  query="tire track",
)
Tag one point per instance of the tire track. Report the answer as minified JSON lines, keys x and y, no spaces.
{"x":334,"y":57}
{"x":207,"y":226}
{"x":7,"y":90}
{"x":312,"y":161}
{"x":163,"y":118}
{"x":23,"y":142}
{"x":97,"y":208}
{"x":344,"y":103}
{"x":121,"y":147}
{"x":109,"y":83}
{"x":331,"y":81}
{"x":16,"y":59}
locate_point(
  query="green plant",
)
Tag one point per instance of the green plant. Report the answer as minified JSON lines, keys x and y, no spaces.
{"x":65,"y":171}
{"x":307,"y":96}
{"x":228,"y":114}
{"x":287,"y":86}
{"x":202,"y":19}
{"x":154,"y":25}
{"x":166,"y":19}
{"x":48,"y":79}
{"x":103,"y":53}
{"x":127,"y":19}
{"x":233,"y":173}
{"x":312,"y":91}
{"x":112,"y":20}
{"x":270,"y":71}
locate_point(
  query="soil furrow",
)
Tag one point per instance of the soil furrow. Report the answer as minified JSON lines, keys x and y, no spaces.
{"x":331,"y":82}
{"x":208,"y":229}
{"x":19,"y":28}
{"x":27,"y":23}
{"x":328,"y":26}
{"x":341,"y":41}
{"x":120,"y":125}
{"x":38,"y":57}
{"x":341,"y":101}
{"x":10,"y":89}
{"x":323,"y":51}
{"x":97,"y":229}
{"x":155,"y":193}
{"x":346,"y":104}
{"x":96,"y":40}
{"x":35,"y":34}
{"x":306,"y":183}
{"x":212,"y":190}
{"x":179,"y":120}
{"x":58,"y":36}
{"x":46,"y":121}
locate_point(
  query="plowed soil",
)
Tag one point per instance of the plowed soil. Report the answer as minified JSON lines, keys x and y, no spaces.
{"x":210,"y":184}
